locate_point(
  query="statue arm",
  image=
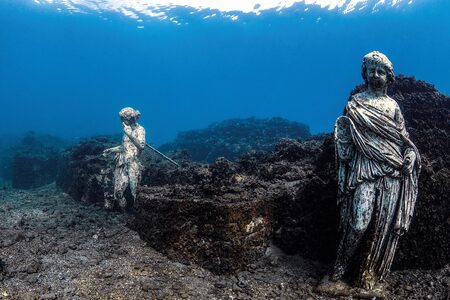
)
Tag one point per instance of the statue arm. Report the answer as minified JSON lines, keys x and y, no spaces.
{"x":343,"y":139}
{"x":138,"y":138}
{"x":344,"y":152}
{"x":409,"y":151}
{"x":401,"y":122}
{"x":116,"y":149}
{"x":141,"y":138}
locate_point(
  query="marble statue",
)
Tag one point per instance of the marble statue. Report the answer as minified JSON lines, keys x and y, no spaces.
{"x":127,"y":169}
{"x":378,"y":168}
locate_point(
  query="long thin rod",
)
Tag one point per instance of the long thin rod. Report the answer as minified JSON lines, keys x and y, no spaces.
{"x":168,"y":158}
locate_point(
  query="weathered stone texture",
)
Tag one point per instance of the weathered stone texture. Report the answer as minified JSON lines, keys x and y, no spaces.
{"x":235,"y":137}
{"x":80,"y":170}
{"x":222,"y":237}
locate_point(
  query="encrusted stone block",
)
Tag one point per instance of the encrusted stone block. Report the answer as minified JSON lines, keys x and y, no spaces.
{"x":223,"y":237}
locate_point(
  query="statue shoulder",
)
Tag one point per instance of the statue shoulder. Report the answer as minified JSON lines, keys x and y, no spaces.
{"x":359,"y":96}
{"x":140,"y":128}
{"x":353,"y":99}
{"x":393,"y":101}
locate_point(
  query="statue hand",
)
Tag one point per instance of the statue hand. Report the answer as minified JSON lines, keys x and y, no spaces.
{"x":112,"y":150}
{"x":106,"y":152}
{"x":408,"y":163}
{"x":127,"y":129}
{"x":400,"y":230}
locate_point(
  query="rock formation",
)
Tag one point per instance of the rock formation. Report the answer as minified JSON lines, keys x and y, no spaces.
{"x":80,"y":169}
{"x":235,"y":137}
{"x":35,"y":160}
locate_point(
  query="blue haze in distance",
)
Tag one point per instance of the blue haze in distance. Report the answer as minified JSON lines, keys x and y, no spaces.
{"x":69,"y":74}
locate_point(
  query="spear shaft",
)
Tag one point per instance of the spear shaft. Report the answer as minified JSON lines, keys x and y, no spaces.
{"x":167,"y":158}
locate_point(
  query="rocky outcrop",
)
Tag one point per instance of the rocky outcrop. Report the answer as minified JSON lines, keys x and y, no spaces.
{"x":202,"y":213}
{"x":216,"y":218}
{"x":303,"y":181}
{"x":427,"y":116}
{"x":35,"y":160}
{"x":235,"y":137}
{"x":83,"y":172}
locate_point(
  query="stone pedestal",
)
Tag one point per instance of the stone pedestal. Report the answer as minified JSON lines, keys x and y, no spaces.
{"x":223,"y":237}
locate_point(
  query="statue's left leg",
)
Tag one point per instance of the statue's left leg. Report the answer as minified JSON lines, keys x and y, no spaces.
{"x":134,"y":175}
{"x":384,"y":241}
{"x":358,"y":219}
{"x":120,"y":185}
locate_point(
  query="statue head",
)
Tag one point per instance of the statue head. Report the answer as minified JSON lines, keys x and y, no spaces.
{"x":129,"y":115}
{"x":377,"y":70}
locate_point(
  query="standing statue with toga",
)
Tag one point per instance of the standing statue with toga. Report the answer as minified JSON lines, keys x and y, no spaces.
{"x":128,"y":169}
{"x":378,"y":168}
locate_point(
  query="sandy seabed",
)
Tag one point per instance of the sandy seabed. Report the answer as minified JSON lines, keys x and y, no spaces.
{"x":52,"y":247}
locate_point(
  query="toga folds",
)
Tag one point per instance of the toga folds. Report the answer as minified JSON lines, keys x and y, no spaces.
{"x":371,"y":143}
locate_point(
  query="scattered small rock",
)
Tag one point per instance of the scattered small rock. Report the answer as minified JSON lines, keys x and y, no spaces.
{"x":220,"y":284}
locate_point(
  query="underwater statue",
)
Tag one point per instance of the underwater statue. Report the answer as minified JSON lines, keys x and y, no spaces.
{"x":378,"y":168}
{"x":127,"y":169}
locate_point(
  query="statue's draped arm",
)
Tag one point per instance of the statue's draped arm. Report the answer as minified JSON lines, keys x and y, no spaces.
{"x":344,"y":153}
{"x":410,"y":183}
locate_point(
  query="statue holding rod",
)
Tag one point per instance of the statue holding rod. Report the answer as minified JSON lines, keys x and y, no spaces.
{"x":378,"y":169}
{"x":128,"y":168}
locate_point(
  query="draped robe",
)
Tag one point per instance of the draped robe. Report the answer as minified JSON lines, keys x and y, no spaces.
{"x":370,"y":148}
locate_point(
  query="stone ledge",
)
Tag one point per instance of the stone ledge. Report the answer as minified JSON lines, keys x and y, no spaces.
{"x":219,"y":236}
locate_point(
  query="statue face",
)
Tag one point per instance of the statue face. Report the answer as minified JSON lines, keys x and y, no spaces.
{"x":376,"y":76}
{"x":128,"y":121}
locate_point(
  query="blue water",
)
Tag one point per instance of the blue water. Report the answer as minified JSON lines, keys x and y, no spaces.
{"x":69,"y":74}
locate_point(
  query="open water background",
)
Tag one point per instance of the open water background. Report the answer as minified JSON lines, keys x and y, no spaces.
{"x":69,"y":74}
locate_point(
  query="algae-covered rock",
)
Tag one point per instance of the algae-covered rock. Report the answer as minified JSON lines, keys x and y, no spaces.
{"x":235,"y":137}
{"x":83,"y":172}
{"x":212,"y":216}
{"x":223,"y":237}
